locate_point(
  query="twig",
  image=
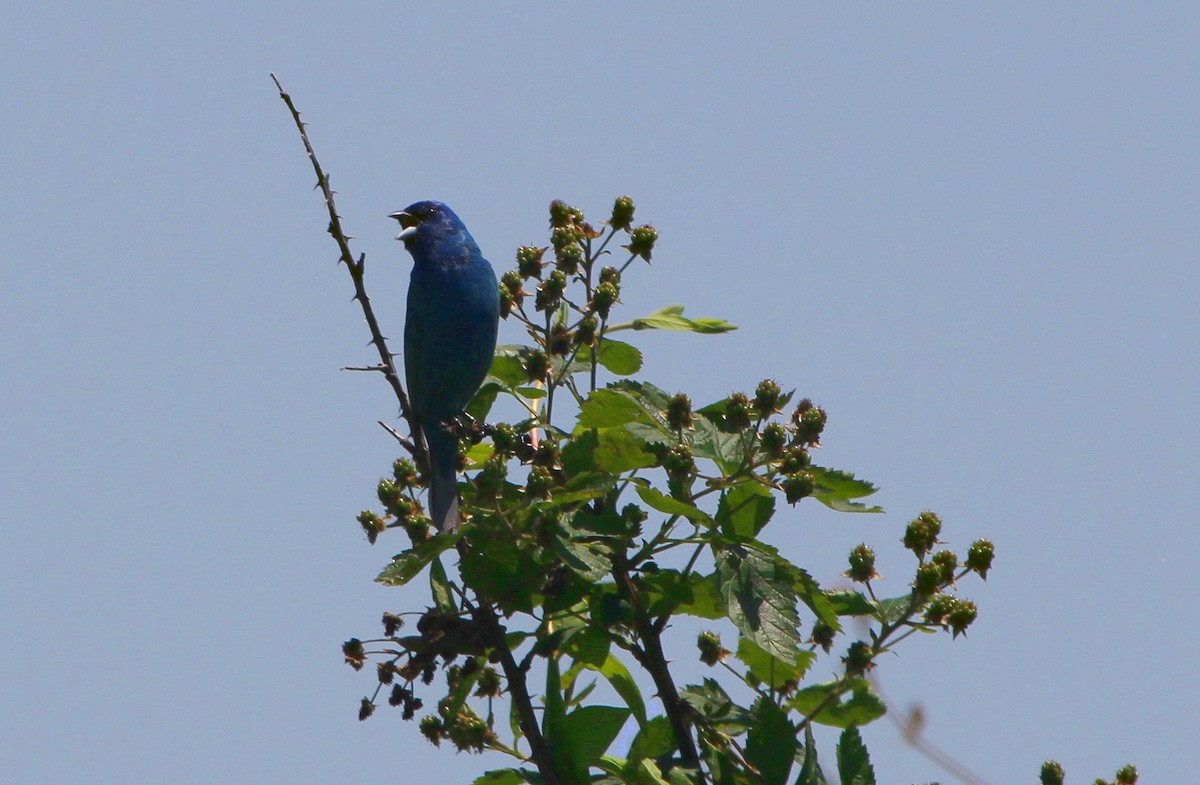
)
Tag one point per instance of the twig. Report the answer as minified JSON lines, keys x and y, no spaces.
{"x":651,"y":657}
{"x":387,"y":366}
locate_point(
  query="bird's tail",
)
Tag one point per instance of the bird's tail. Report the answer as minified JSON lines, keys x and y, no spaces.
{"x":443,"y":478}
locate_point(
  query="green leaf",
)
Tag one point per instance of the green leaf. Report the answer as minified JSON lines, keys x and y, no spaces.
{"x":810,"y":593}
{"x":607,"y":408}
{"x":837,"y":489}
{"x":618,"y":452}
{"x":657,"y":500}
{"x":859,"y":707}
{"x":760,"y":597}
{"x":507,"y":369}
{"x":714,"y":704}
{"x":531,"y":392}
{"x":507,"y":777}
{"x":619,"y":677}
{"x":409,"y":564}
{"x":619,"y":357}
{"x":770,"y":670}
{"x":654,"y":739}
{"x":810,"y":769}
{"x":854,"y":764}
{"x":589,"y":646}
{"x":850,"y":603}
{"x":482,"y":401}
{"x":672,"y":318}
{"x":727,"y":450}
{"x":745,"y":509}
{"x":439,"y":587}
{"x":669,"y":592}
{"x":771,"y":744}
{"x":589,"y":730}
{"x":589,"y":560}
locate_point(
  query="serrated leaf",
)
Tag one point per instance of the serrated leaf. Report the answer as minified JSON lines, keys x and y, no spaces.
{"x":654,"y":739}
{"x":745,"y":509}
{"x":854,"y":763}
{"x":619,"y":357}
{"x":618,"y":452}
{"x":589,"y":560}
{"x":759,"y":598}
{"x":771,"y":744}
{"x":657,"y":500}
{"x":810,"y":768}
{"x":727,"y":450}
{"x":714,"y":704}
{"x":409,"y":564}
{"x":589,"y":647}
{"x":771,"y":670}
{"x":858,"y":705}
{"x":837,"y":490}
{"x":608,"y":408}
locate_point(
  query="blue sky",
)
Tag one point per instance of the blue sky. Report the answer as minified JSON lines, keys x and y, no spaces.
{"x":969,"y":233}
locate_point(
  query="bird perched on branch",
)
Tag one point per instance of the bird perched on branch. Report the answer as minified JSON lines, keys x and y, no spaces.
{"x":449,"y":339}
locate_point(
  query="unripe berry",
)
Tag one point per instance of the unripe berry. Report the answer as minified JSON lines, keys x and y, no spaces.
{"x":679,"y":412}
{"x":799,"y":486}
{"x":529,"y":261}
{"x":766,"y":398}
{"x":922,"y":533}
{"x":979,"y":557}
{"x":711,"y":651}
{"x":603,"y":298}
{"x":737,"y":411}
{"x":641,"y":241}
{"x":862,"y":564}
{"x":622,"y":213}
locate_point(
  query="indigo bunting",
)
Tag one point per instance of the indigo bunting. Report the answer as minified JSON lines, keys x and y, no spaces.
{"x":449,"y":338}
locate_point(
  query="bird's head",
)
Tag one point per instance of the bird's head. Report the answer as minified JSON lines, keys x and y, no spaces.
{"x":427,"y":225}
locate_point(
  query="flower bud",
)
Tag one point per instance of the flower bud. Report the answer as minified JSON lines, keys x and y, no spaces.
{"x":679,"y":412}
{"x":641,"y":241}
{"x":979,"y":557}
{"x":922,"y":533}
{"x":711,"y":651}
{"x":862,"y":564}
{"x":622,"y":213}
{"x":529,"y":261}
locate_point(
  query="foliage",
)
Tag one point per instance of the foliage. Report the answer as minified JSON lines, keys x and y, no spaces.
{"x":610,"y":509}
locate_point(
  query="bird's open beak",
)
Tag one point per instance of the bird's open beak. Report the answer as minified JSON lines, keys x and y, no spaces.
{"x":408,"y":222}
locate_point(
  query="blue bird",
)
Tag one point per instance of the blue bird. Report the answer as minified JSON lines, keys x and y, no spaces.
{"x":449,"y":338}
